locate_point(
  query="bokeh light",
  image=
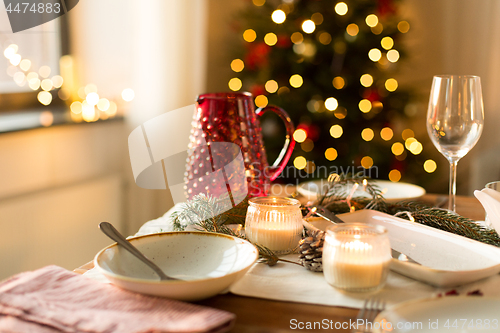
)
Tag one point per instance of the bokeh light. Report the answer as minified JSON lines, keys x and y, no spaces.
{"x":366,"y":80}
{"x":371,"y":20}
{"x":127,"y":95}
{"x":397,"y":148}
{"x":403,"y":27}
{"x":271,"y":86}
{"x":296,"y":81}
{"x":367,"y":134}
{"x":391,"y":85}
{"x":386,"y":133}
{"x":367,"y":162}
{"x":249,"y":35}
{"x":308,"y":26}
{"x":237,"y":65}
{"x":300,"y":135}
{"x":375,"y":55}
{"x":338,"y":82}
{"x":365,"y":105}
{"x":300,"y":162}
{"x":336,"y":131}
{"x":270,"y":39}
{"x":352,"y":29}
{"x":297,"y":38}
{"x":44,"y":97}
{"x":331,"y":154}
{"x":331,"y":103}
{"x":394,"y":175}
{"x":387,"y":43}
{"x":235,"y":84}
{"x":261,"y":101}
{"x":341,"y":8}
{"x":278,"y":16}
{"x":430,"y":166}
{"x":393,"y":55}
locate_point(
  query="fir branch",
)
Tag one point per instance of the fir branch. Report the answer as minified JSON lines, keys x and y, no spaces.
{"x":448,"y":221}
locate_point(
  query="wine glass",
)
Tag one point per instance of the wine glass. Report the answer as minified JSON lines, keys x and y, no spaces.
{"x":455,"y":119}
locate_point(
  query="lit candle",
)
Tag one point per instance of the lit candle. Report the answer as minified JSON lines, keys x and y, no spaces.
{"x":356,"y":256}
{"x":274,"y":222}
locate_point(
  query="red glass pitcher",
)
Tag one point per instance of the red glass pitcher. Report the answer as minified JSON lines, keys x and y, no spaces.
{"x":231,"y":117}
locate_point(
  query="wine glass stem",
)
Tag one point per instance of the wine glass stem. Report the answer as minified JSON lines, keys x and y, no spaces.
{"x":453,"y":184}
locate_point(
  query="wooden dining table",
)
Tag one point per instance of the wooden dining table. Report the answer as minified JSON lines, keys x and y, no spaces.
{"x":266,"y":316}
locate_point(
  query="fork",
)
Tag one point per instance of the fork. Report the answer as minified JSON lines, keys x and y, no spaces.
{"x":371,"y":308}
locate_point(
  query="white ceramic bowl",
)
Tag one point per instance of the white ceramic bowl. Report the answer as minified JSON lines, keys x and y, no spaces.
{"x":207,"y":263}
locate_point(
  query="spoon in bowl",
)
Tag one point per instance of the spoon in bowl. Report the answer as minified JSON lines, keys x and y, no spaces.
{"x":109,"y":230}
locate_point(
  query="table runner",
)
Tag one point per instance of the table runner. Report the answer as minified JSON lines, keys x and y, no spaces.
{"x":293,"y":283}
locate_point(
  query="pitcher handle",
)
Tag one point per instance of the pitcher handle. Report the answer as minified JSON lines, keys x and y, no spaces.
{"x":287,"y":150}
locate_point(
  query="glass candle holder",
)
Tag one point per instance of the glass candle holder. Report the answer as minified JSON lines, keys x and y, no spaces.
{"x":356,"y":257}
{"x":275,"y":223}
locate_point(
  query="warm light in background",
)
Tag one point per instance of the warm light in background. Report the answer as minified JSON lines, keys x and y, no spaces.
{"x":249,"y":35}
{"x":409,"y":141}
{"x":366,"y":80}
{"x":270,"y":39}
{"x":317,"y":18}
{"x":89,"y":88}
{"x":387,"y":43}
{"x":394,"y":175}
{"x":103,"y":104}
{"x":46,"y":118}
{"x":296,"y":81}
{"x":310,"y":167}
{"x":261,"y":101}
{"x":76,"y":107}
{"x":352,"y":29}
{"x":367,"y":162}
{"x":375,"y":55}
{"x":25,"y":64}
{"x":44,"y":71}
{"x":397,"y":148}
{"x":416,"y":148}
{"x":57,"y":81}
{"x":331,"y":154}
{"x":47,"y":85}
{"x":297,"y":38}
{"x":300,"y":135}
{"x":307,"y":145}
{"x":259,"y":2}
{"x":365,"y":105}
{"x":393,"y":55}
{"x":367,"y":134}
{"x":391,"y":85}
{"x":44,"y":97}
{"x":331,"y":103}
{"x":338,"y":82}
{"x":371,"y":20}
{"x":407,"y":133}
{"x":386,"y":133}
{"x":127,"y":95}
{"x":93,"y":98}
{"x":235,"y":84}
{"x":34,"y":84}
{"x":271,"y":86}
{"x":377,"y":30}
{"x":10,"y":51}
{"x":341,"y":8}
{"x":88,"y":112}
{"x":237,"y":65}
{"x":325,"y":38}
{"x":430,"y":166}
{"x":336,"y":131}
{"x":278,"y":16}
{"x":403,"y":26}
{"x":308,"y":26}
{"x":300,"y":162}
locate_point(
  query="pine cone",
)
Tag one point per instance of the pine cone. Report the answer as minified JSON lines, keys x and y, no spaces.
{"x":311,"y":250}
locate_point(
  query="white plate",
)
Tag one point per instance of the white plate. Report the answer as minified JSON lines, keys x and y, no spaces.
{"x":444,"y":314}
{"x":448,"y":260}
{"x":392,"y":191}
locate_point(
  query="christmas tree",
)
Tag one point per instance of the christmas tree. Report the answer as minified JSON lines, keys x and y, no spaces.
{"x":331,"y":66}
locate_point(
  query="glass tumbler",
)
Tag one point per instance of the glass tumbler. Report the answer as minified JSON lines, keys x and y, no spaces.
{"x":274,"y":222}
{"x":356,"y":257}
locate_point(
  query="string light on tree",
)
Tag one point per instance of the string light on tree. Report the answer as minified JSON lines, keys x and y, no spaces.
{"x":294,"y":56}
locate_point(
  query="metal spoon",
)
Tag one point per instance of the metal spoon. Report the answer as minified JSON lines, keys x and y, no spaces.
{"x":110,"y":231}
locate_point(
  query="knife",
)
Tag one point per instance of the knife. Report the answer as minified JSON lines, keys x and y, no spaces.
{"x":332,"y":217}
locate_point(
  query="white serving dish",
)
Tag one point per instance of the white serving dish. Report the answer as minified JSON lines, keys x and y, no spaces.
{"x":207,"y":263}
{"x":448,"y":260}
{"x":394,"y":191}
{"x":441,"y":314}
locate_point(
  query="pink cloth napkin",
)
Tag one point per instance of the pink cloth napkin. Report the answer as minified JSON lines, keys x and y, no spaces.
{"x":52,"y":299}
